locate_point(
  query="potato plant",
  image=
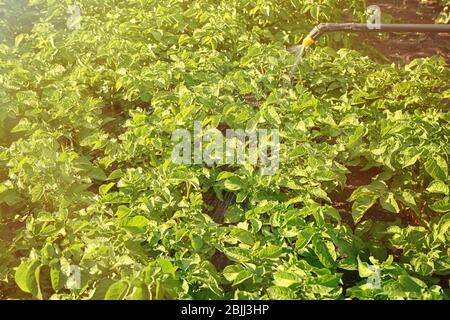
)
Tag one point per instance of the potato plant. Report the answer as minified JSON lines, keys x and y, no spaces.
{"x":87,"y":179}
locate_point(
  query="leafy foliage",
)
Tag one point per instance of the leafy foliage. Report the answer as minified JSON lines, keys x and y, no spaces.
{"x":86,"y":176}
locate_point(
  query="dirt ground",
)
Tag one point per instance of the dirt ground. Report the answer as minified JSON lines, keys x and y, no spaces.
{"x":406,"y":47}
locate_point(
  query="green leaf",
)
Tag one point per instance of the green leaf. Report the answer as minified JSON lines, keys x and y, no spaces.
{"x":237,"y":254}
{"x":233,"y":214}
{"x":103,"y":189}
{"x":388,"y":203}
{"x":233,"y":184}
{"x":116,"y":174}
{"x":22,"y":276}
{"x":25,"y":276}
{"x":196,"y":242}
{"x":232,"y":271}
{"x":270,"y":252}
{"x":167,"y":266}
{"x":408,"y":200}
{"x":242,"y":276}
{"x":101,"y":289}
{"x":273,"y":115}
{"x":332,"y":212}
{"x":136,"y":225}
{"x":241,"y":196}
{"x":280,"y":293}
{"x":98,"y":174}
{"x":285,"y":279}
{"x":236,"y":274}
{"x":441,"y":205}
{"x":438,"y":187}
{"x":364,"y":269}
{"x":356,"y":137}
{"x":158,"y":35}
{"x":57,"y":279}
{"x":10,"y":196}
{"x":243,"y":236}
{"x":184,"y":38}
{"x":19,"y":39}
{"x":119,"y":83}
{"x":139,"y":292}
{"x":37,"y":192}
{"x":361,"y":205}
{"x":410,"y":156}
{"x":320,"y":193}
{"x":225,"y":175}
{"x":23,"y":125}
{"x":304,"y":238}
{"x":375,"y":188}
{"x":117,"y":291}
{"x":326,"y":252}
{"x":437,"y":168}
{"x":411,"y":284}
{"x":444,"y":226}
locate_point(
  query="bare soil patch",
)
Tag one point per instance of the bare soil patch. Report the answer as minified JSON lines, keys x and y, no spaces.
{"x":404,"y":47}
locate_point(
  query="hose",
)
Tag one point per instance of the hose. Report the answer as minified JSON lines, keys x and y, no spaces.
{"x":364,"y":27}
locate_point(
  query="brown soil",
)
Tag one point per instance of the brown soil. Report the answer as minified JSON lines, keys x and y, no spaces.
{"x":220,"y":261}
{"x":9,"y":226}
{"x":444,"y":281}
{"x":10,"y":229}
{"x":252,"y":101}
{"x":349,"y":279}
{"x":404,"y":47}
{"x":216,"y":208}
{"x":355,"y":179}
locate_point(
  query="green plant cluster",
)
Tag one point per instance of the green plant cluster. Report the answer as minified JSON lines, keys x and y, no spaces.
{"x":87,"y":178}
{"x":444,"y":15}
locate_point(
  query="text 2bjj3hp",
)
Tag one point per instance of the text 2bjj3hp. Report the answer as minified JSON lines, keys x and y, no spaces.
{"x":241,"y":310}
